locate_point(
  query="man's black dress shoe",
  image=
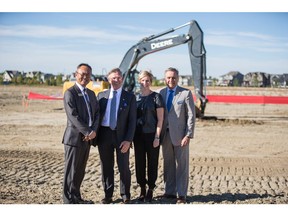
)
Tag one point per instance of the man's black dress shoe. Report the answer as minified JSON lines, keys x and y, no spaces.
{"x":126,"y":201}
{"x":81,"y":201}
{"x":142,"y":194}
{"x":181,"y":200}
{"x":86,"y":202}
{"x":106,"y":200}
{"x":169,"y":196}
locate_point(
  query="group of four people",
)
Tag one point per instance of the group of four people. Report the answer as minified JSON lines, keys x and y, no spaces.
{"x":116,"y":119}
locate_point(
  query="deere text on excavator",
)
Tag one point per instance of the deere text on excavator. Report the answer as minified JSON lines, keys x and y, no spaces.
{"x":149,"y":45}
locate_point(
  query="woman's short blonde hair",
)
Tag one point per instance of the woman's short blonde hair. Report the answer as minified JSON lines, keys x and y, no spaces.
{"x":145,"y":73}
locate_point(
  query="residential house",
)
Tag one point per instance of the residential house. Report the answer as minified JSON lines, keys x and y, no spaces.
{"x":275,"y":80}
{"x":233,"y":78}
{"x":36,"y":74}
{"x":284,"y":80}
{"x":208,"y":82}
{"x":185,"y":80}
{"x":8,"y":75}
{"x":257,"y":79}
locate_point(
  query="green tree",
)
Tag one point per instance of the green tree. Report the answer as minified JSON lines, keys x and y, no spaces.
{"x":255,"y":81}
{"x":29,"y":81}
{"x":19,"y":79}
{"x":52,"y":81}
{"x":59,"y":80}
{"x":35,"y":80}
{"x":214,"y":81}
{"x":14,"y":80}
{"x":47,"y":82}
{"x":235,"y":82}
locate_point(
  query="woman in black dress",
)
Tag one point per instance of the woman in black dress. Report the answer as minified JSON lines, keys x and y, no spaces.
{"x":150,"y":115}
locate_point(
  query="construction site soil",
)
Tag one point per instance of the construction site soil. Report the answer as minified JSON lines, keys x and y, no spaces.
{"x":239,"y":153}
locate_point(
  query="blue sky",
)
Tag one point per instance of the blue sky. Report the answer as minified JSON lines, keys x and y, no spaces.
{"x":58,"y":42}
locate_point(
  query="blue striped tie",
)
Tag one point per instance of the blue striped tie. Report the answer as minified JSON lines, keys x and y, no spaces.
{"x":88,"y":106}
{"x":112,"y":122}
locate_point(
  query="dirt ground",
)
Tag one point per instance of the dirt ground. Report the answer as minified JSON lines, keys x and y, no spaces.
{"x":239,"y":153}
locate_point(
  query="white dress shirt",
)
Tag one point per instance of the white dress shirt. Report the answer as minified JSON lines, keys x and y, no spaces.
{"x":106,"y":118}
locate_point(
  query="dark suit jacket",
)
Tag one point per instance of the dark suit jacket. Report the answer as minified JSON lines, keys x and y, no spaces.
{"x":126,"y":116}
{"x":78,"y":117}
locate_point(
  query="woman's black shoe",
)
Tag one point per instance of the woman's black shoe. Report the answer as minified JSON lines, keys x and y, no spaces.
{"x":142,"y":194}
{"x":149,"y":196}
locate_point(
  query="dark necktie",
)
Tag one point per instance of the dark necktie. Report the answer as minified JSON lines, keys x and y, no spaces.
{"x":87,"y":101}
{"x":113,"y":113}
{"x":169,"y":101}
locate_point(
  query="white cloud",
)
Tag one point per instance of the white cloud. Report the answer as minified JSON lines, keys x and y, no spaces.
{"x":137,"y":28}
{"x":28,"y":56}
{"x":41,"y":31}
{"x":255,"y":35}
{"x":247,"y":40}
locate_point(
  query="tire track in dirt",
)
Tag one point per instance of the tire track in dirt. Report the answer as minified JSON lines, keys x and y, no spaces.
{"x":36,"y":177}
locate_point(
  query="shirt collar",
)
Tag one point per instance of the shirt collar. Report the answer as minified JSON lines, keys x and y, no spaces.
{"x":119,"y":91}
{"x":174,"y":89}
{"x":80,"y":86}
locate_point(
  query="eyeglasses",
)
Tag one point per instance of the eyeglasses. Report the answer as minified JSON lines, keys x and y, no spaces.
{"x":84,"y":74}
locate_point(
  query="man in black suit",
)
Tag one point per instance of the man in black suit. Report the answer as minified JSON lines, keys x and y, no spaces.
{"x":82,"y":110}
{"x":116,"y":132}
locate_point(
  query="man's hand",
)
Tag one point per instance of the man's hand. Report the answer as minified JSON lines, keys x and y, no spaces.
{"x":125,"y":145}
{"x":156,"y":143}
{"x":91,"y":136}
{"x":185,"y":141}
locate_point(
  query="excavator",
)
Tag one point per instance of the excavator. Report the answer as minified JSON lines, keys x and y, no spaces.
{"x":155,"y":43}
{"x":149,"y":45}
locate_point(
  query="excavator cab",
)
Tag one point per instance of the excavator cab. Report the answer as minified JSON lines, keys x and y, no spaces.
{"x":149,"y":45}
{"x":131,"y":83}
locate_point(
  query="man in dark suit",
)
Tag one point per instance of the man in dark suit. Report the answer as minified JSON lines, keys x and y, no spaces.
{"x":82,"y":110}
{"x":116,"y":132}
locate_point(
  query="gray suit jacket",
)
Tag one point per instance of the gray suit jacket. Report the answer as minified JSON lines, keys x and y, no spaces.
{"x":181,"y":117}
{"x":78,"y":117}
{"x":126,"y":116}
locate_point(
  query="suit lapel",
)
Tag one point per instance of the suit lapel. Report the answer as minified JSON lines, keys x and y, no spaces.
{"x":165,"y":95}
{"x":177,"y":95}
{"x":91,"y":98}
{"x":122,"y":102}
{"x":77,"y":89}
{"x":106,"y":96}
{"x":80,"y":95}
{"x":103,"y":101}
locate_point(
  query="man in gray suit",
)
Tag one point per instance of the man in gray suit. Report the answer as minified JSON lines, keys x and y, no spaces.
{"x":116,"y":132}
{"x":82,"y":110}
{"x":179,"y":123}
